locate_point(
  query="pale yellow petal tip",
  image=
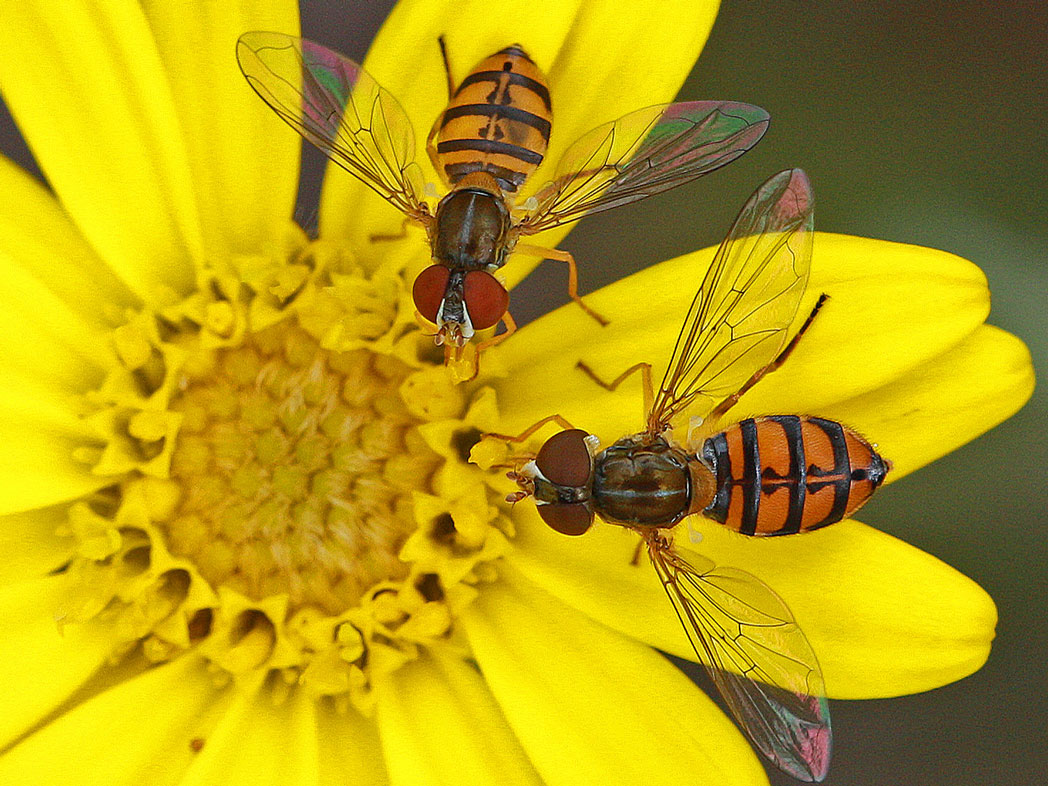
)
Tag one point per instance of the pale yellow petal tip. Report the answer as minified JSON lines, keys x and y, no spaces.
{"x":489,"y":453}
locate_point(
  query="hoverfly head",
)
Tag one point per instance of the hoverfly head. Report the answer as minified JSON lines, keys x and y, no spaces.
{"x":562,"y":479}
{"x":459,"y":302}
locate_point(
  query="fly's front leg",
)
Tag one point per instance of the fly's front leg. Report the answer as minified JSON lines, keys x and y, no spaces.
{"x":403,"y":233}
{"x":518,"y":474}
{"x":492,"y":451}
{"x":511,"y":328}
{"x":719,"y":410}
{"x":526,"y":433}
{"x":560,"y":255}
{"x":645,"y":376}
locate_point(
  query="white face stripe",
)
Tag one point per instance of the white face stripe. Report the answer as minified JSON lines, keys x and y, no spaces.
{"x":531,"y":470}
{"x":467,"y":325}
{"x":465,"y":328}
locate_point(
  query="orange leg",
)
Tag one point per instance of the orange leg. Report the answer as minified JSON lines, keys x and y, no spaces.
{"x":719,"y":410}
{"x":511,"y":328}
{"x":522,"y":436}
{"x":645,"y":376}
{"x":560,"y":255}
{"x":403,"y":233}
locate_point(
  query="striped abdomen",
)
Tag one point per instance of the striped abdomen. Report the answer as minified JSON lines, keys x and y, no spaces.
{"x":498,"y":121}
{"x":782,"y":474}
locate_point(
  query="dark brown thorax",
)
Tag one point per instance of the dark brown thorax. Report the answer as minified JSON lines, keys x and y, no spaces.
{"x":640,"y":481}
{"x":471,"y":229}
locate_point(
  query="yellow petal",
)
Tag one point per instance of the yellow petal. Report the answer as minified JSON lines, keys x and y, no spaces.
{"x":39,"y":433}
{"x":884,"y":618}
{"x":945,"y":403}
{"x":441,"y":725}
{"x":603,"y":60}
{"x":260,"y":739}
{"x":350,"y":752}
{"x":45,"y":339}
{"x":87,"y":88}
{"x":582,"y":699}
{"x":892,"y":308}
{"x":42,"y":666}
{"x":30,"y":546}
{"x":139,"y":732}
{"x":243,"y":158}
{"x":37,"y":236}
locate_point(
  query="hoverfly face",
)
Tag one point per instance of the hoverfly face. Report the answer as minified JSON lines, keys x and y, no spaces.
{"x":561,"y":477}
{"x":459,"y":302}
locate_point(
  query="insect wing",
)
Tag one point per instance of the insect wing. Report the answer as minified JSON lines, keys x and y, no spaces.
{"x":758,"y":658}
{"x":643,"y":153}
{"x":747,"y":301}
{"x":336,"y":105}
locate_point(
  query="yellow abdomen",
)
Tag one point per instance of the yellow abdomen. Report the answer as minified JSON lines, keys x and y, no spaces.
{"x":498,"y":121}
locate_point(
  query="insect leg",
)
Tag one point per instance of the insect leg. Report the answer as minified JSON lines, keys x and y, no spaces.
{"x":447,"y":65}
{"x":645,"y":377}
{"x":559,"y":255}
{"x":403,"y":233}
{"x":635,"y":561}
{"x":511,"y":328}
{"x":719,"y":410}
{"x":522,"y":436}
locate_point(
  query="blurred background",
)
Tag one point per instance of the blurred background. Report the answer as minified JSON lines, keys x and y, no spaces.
{"x":920,"y":122}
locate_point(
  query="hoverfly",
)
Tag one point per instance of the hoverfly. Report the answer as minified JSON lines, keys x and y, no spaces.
{"x":771,"y":475}
{"x":484,"y":145}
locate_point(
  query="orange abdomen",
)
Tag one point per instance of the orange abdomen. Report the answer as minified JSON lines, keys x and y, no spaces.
{"x":498,"y":121}
{"x":782,"y":474}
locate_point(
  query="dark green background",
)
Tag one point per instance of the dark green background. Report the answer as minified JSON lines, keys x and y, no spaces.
{"x":924,"y":123}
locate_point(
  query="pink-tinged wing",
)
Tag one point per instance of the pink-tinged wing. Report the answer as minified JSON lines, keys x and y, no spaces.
{"x":758,"y":658}
{"x":336,"y":105}
{"x":643,"y":153}
{"x":747,"y":300}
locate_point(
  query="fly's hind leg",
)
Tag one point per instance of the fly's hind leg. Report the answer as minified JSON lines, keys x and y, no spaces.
{"x":447,"y":65}
{"x":645,"y":376}
{"x":719,"y":410}
{"x":431,"y":148}
{"x":560,"y":255}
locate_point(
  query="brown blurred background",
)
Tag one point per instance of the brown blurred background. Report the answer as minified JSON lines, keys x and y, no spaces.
{"x":920,"y":122}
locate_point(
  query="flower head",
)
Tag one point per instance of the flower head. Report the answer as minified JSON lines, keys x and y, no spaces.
{"x":241,"y":532}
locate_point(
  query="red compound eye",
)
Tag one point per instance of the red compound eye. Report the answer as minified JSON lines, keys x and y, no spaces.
{"x":565,"y":459}
{"x":567,"y":518}
{"x":428,"y":291}
{"x":486,"y":299}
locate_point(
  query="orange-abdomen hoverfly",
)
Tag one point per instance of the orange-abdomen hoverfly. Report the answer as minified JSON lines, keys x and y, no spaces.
{"x":484,"y":145}
{"x":763,"y":476}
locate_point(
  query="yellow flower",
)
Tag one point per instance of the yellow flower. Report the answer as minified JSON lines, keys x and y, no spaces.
{"x":241,"y":542}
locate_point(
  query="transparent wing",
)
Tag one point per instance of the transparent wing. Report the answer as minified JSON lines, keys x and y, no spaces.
{"x":757,"y":657}
{"x":643,"y":153}
{"x":748,"y":298}
{"x":336,"y":105}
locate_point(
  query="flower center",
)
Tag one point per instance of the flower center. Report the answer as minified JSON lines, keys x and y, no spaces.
{"x":289,"y":488}
{"x":296,"y":464}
